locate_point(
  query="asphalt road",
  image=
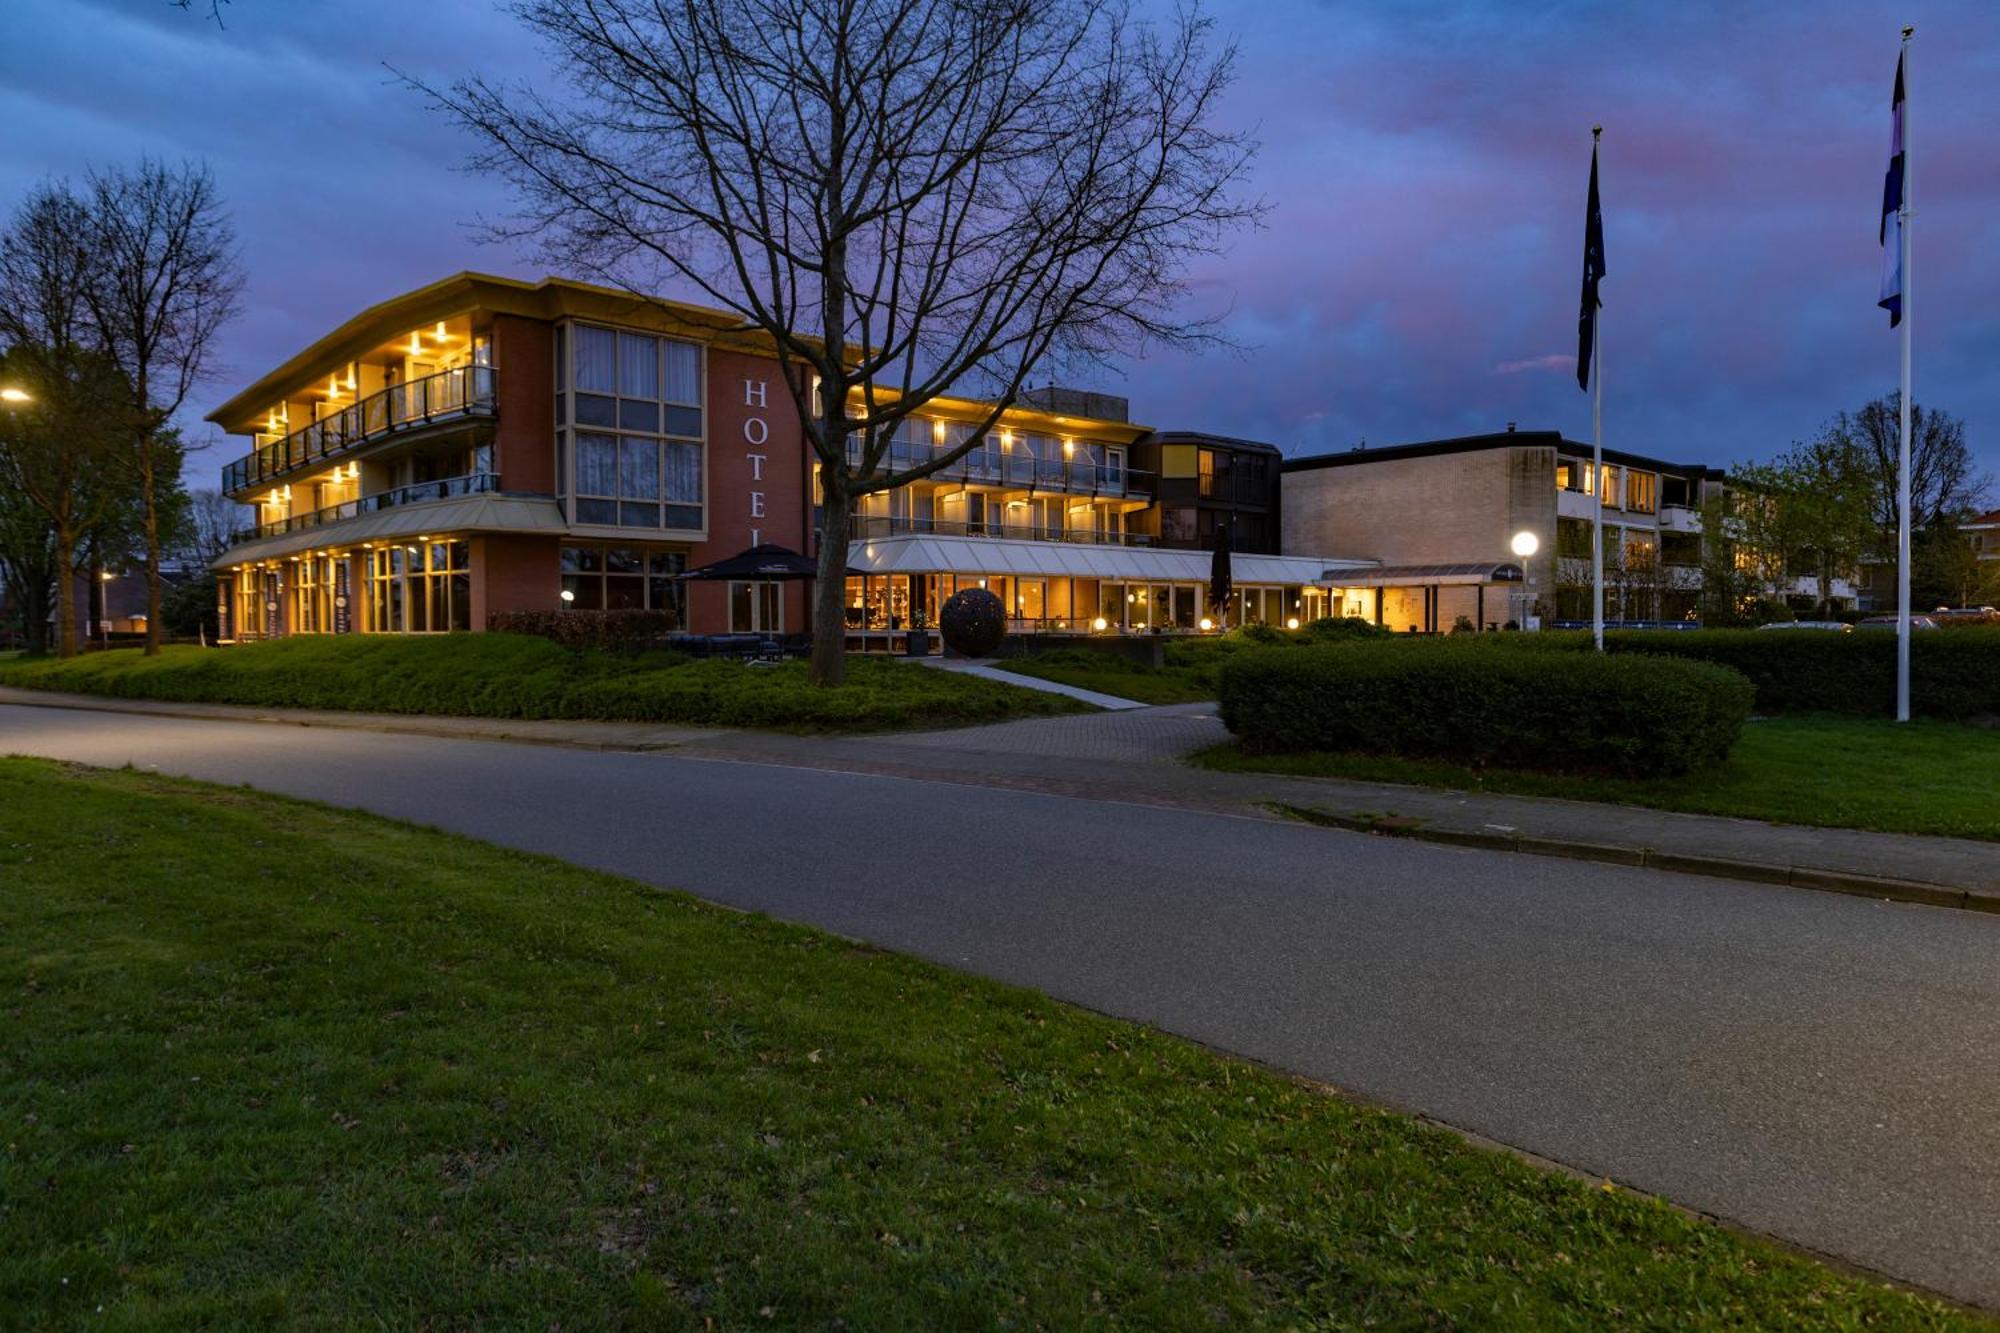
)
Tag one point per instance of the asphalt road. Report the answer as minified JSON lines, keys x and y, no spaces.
{"x":1820,"y":1067}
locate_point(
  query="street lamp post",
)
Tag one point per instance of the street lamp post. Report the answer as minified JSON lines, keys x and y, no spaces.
{"x":1524,"y":546}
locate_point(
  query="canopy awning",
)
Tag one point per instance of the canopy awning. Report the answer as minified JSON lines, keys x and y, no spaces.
{"x":919,"y":554}
{"x":767,"y":562}
{"x":1396,"y":576}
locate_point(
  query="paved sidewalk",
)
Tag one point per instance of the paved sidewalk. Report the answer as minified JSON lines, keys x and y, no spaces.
{"x":982,"y":668}
{"x":1134,"y":756}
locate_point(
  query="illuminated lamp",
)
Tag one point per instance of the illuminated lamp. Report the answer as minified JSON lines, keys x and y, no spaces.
{"x":1525,"y":544}
{"x":1100,"y":624}
{"x":13,"y":395}
{"x":568,"y":596}
{"x":1292,"y":623}
{"x":1207,"y":624}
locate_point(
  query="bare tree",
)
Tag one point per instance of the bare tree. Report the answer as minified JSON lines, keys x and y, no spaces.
{"x":164,"y":279}
{"x":908,"y":198}
{"x":212,"y":518}
{"x":1944,"y":479}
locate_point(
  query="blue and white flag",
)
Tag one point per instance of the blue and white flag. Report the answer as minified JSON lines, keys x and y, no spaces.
{"x":1892,"y":212}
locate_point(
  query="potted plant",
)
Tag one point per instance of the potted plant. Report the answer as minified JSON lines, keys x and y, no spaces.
{"x":917,"y":639}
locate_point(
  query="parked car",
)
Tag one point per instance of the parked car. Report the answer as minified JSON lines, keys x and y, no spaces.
{"x":1889,"y":622}
{"x":1966,"y":615}
{"x":1830,"y":626}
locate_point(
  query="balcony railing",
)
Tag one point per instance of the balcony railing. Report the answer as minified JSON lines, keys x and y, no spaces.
{"x":466,"y":391}
{"x":980,"y":468}
{"x":450,"y":488}
{"x":868,"y":526}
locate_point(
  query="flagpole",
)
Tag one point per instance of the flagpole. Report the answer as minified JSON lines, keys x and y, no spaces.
{"x":1596,"y":456}
{"x":1903,"y":457}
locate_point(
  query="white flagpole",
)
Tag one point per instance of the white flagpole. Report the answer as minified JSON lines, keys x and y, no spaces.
{"x":1903,"y":460}
{"x":1597,"y":484}
{"x":1596,"y":452}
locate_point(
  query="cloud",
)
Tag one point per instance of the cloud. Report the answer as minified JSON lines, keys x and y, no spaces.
{"x":1564,"y":361}
{"x":1425,"y":162}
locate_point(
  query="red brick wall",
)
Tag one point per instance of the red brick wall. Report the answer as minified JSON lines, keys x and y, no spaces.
{"x":757,"y":480}
{"x":524,"y":369}
{"x":514,"y":574}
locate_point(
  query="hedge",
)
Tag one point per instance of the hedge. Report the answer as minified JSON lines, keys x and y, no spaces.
{"x":1628,"y":715}
{"x":623,"y":630}
{"x":1953,"y":674}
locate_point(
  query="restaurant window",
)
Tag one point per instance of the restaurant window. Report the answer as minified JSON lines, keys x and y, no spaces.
{"x":624,"y":578}
{"x":638,"y":449}
{"x":756,"y":608}
{"x":424,"y":588}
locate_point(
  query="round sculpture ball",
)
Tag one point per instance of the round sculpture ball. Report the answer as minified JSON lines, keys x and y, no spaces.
{"x":973,"y":622}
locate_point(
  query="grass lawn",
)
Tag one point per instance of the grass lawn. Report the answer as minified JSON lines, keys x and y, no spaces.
{"x":269,"y":1063}
{"x":1821,"y":769}
{"x":516,"y":676}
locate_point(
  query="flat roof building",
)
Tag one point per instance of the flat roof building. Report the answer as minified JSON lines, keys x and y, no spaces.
{"x":484,"y":445}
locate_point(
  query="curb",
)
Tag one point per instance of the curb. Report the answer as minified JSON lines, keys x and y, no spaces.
{"x":1854,"y":883}
{"x":419,"y":724}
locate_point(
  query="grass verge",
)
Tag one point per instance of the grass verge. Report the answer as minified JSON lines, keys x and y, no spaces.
{"x":515,"y":676}
{"x":1817,"y":769}
{"x":272,"y":1063}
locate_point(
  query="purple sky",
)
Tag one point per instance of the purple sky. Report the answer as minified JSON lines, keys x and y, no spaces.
{"x":1425,"y":164}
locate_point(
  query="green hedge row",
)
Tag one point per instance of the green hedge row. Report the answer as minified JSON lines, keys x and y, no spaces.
{"x":1627,"y":714}
{"x":1953,"y":674}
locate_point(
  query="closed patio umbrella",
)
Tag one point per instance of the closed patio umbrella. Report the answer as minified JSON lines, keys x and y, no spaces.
{"x":1220,"y":585}
{"x":766,"y":563}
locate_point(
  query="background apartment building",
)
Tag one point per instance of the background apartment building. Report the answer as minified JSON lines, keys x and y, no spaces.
{"x":1467,"y":499}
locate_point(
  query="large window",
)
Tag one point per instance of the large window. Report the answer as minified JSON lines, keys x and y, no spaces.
{"x":634,"y":403}
{"x":624,"y":578}
{"x":421,"y":589}
{"x":1641,"y":491}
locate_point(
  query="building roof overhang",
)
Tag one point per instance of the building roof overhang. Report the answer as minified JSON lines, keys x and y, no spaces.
{"x":468,"y":514}
{"x":549,"y":299}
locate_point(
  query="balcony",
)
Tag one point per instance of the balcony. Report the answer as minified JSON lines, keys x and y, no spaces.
{"x":450,"y":488}
{"x":449,"y":395}
{"x":1022,"y":472}
{"x":1679,"y":518}
{"x":868,"y":526}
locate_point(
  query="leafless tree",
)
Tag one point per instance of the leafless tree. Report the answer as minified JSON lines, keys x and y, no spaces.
{"x":164,"y":279}
{"x":1945,"y":481}
{"x":45,"y":268}
{"x":214,"y":9}
{"x":908,"y":198}
{"x":212,"y":519}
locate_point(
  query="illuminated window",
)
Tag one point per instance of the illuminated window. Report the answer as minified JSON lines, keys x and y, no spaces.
{"x":637,"y":442}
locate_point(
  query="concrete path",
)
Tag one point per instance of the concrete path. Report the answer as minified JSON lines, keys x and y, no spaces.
{"x":981,"y":667}
{"x":1821,"y":1067}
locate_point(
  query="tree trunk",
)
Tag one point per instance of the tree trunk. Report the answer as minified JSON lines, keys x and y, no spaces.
{"x":65,"y":596}
{"x":147,"y":470}
{"x":829,"y":627}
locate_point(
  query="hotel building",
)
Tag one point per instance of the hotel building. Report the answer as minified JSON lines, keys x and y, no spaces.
{"x":484,"y":445}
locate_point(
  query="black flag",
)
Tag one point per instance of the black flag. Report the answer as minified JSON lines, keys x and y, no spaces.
{"x":1593,"y":269}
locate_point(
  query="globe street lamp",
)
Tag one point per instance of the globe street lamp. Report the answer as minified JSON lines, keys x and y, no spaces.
{"x":1524,"y":546}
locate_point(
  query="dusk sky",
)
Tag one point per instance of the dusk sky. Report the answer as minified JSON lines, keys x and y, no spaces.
{"x":1425,"y":165}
